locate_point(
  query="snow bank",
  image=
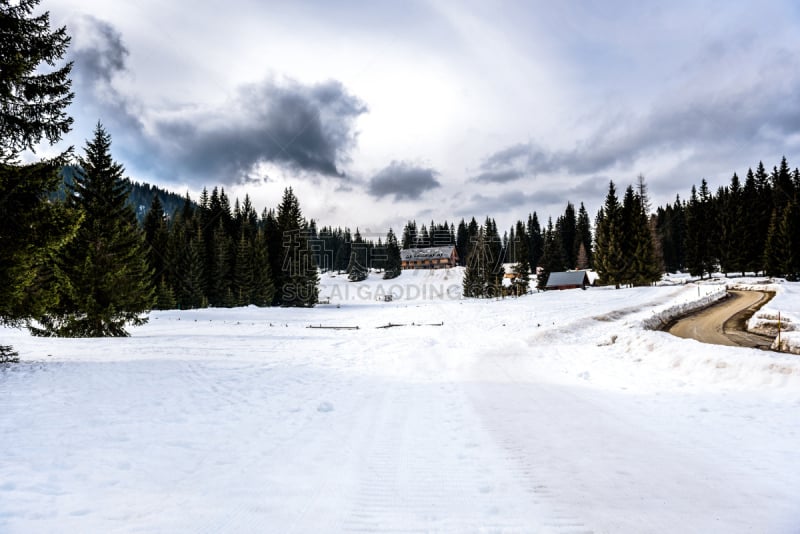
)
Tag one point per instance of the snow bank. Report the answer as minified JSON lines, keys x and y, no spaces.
{"x":782,"y":313}
{"x":707,"y":294}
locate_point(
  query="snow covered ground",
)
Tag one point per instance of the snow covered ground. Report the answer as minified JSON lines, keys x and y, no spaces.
{"x":556,"y":412}
{"x":781,"y":313}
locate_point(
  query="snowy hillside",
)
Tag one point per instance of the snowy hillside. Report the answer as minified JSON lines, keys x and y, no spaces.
{"x":555,"y":412}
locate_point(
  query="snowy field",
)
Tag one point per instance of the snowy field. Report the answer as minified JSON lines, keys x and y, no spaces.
{"x":553,"y":413}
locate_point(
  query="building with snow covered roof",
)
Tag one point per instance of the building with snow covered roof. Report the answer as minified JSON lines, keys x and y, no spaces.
{"x":429,"y":258}
{"x":568,"y":280}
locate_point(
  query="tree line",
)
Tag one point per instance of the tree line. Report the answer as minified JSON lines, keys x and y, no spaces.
{"x":750,"y":227}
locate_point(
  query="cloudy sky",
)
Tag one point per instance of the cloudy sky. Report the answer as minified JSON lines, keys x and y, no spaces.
{"x":378,"y":112}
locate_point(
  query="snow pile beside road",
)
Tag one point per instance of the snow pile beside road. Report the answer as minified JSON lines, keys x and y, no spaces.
{"x":707,"y":294}
{"x":782,"y":314}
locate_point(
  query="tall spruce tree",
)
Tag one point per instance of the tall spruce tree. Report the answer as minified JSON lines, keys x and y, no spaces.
{"x":298,"y":279}
{"x":110,"y":280}
{"x":263,"y":283}
{"x":583,"y":238}
{"x":610,"y":262}
{"x":644,"y":266}
{"x":789,"y":242}
{"x":568,"y":232}
{"x":552,"y":257}
{"x":33,"y":104}
{"x":393,"y":266}
{"x":156,"y":235}
{"x":478,"y":270}
{"x":700,"y":232}
{"x":243,"y":272}
{"x":522,"y":267}
{"x":731,"y":223}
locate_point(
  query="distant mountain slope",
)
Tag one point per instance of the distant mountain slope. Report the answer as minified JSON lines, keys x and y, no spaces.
{"x":141,"y":195}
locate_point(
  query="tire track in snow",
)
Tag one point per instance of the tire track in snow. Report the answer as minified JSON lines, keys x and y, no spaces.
{"x":428,"y":467}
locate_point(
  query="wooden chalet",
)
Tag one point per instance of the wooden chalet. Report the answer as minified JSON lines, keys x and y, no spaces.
{"x":429,"y":258}
{"x":568,"y":280}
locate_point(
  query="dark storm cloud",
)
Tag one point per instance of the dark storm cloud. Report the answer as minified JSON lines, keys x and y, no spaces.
{"x":98,"y":51}
{"x":302,"y":128}
{"x":403,"y":180}
{"x":100,"y":55}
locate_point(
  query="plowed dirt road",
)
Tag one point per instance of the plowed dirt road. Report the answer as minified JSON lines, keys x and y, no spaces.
{"x":723,"y":323}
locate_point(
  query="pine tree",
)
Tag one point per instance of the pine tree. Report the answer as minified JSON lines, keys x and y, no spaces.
{"x":731,"y":221}
{"x":106,"y":263}
{"x":782,"y":186}
{"x":694,"y":235}
{"x":494,"y":250}
{"x":522,"y":269}
{"x":355,"y":271}
{"x":478,"y":268}
{"x":552,"y":258}
{"x":790,"y":236}
{"x":645,"y":268}
{"x":462,"y":242}
{"x":610,"y":260}
{"x":583,"y":238}
{"x":243,"y":272}
{"x":263,"y":283}
{"x":393,"y":266}
{"x":568,"y":232}
{"x":298,"y":279}
{"x":165,"y":296}
{"x":190,"y":287}
{"x":536,"y":240}
{"x":774,"y":248}
{"x":221,"y":292}
{"x":700,"y":231}
{"x":33,"y":103}
{"x":760,"y":210}
{"x":156,"y":236}
{"x":409,"y":235}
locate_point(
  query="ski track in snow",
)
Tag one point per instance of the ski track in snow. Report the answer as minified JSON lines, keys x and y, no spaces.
{"x":514,"y":416}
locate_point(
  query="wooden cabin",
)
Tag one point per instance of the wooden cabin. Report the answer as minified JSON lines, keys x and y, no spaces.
{"x":568,"y":280}
{"x":429,"y":258}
